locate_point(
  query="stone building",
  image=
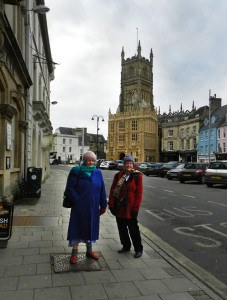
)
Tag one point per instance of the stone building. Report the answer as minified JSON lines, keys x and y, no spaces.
{"x":134,"y":128}
{"x":26,"y":69}
{"x":178,"y":134}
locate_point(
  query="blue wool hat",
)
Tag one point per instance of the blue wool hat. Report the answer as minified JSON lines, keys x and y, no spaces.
{"x":129,"y":158}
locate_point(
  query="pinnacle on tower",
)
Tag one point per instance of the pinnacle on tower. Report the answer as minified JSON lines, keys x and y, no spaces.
{"x":139,"y":49}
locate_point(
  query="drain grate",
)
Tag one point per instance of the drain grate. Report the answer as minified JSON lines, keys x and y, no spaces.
{"x":61,"y":263}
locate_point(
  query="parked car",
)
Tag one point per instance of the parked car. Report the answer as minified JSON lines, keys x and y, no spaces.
{"x":216,"y":173}
{"x":54,"y":161}
{"x":193,"y":171}
{"x":104,"y":164}
{"x":98,"y":162}
{"x":112,"y":165}
{"x":120,"y":165}
{"x":173,"y":173}
{"x":137,"y":165}
{"x":142,"y":167}
{"x":153,"y":169}
{"x":167,"y":166}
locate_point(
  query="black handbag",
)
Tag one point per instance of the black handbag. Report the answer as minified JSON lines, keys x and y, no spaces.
{"x":67,"y":202}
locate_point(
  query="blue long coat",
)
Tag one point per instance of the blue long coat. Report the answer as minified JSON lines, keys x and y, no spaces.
{"x":88,"y":194}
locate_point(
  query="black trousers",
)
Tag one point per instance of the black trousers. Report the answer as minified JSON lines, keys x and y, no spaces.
{"x":126,"y":227}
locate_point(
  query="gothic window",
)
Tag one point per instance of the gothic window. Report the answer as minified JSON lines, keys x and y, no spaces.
{"x":182,"y":131}
{"x":188,"y":130}
{"x":121,"y":138}
{"x":112,"y":127}
{"x":134,"y":125}
{"x":131,"y":72}
{"x":121,"y":125}
{"x":144,"y":72}
{"x":134,"y":137}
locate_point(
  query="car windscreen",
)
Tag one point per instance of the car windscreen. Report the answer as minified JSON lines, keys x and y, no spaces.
{"x":218,"y":165}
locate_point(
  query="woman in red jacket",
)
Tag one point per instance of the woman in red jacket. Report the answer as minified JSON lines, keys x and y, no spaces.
{"x":124,"y":203}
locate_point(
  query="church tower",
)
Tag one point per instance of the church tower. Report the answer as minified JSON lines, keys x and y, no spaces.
{"x":134,"y":128}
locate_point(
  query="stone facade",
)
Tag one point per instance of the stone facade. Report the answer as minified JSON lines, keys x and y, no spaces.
{"x":178,"y":134}
{"x":134,"y":128}
{"x":25,"y":128}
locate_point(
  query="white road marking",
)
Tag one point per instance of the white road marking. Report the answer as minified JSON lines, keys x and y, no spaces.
{"x":211,"y":229}
{"x":218,"y":203}
{"x":154,"y":215}
{"x":153,"y":187}
{"x":189,"y":196}
{"x":168,"y":191}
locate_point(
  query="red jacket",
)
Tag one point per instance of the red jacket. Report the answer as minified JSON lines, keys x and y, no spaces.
{"x":130,"y":191}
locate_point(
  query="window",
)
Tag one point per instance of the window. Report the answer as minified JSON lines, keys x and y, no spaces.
{"x":111,"y":138}
{"x":194,"y":143}
{"x":194,"y":129}
{"x":63,"y":149}
{"x":170,"y":146}
{"x":211,"y":135}
{"x":170,"y":133}
{"x":134,"y":137}
{"x":201,"y":150}
{"x":182,"y":131}
{"x":224,"y":149}
{"x":201,"y":136}
{"x":70,"y":149}
{"x":70,"y":141}
{"x":219,"y":134}
{"x":219,"y":148}
{"x":188,"y":130}
{"x":121,"y":138}
{"x":211,"y":148}
{"x":121,"y":125}
{"x":188,"y":144}
{"x":112,"y":127}
{"x":206,"y":150}
{"x":134,"y":125}
{"x":206,"y":136}
{"x":182,"y":144}
{"x":223,"y":132}
{"x":63,"y":141}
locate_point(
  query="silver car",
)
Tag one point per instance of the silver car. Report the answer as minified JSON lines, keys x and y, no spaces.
{"x":216,"y":173}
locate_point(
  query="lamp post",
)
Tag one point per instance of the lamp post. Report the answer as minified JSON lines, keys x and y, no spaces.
{"x":102,"y":118}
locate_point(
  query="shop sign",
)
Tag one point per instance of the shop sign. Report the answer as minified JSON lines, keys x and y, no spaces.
{"x":6,"y":220}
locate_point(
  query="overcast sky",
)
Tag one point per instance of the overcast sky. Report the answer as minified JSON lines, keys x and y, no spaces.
{"x":188,"y":39}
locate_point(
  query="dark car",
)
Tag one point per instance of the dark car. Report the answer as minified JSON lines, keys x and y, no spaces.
{"x":167,"y":166}
{"x":142,"y":167}
{"x":153,"y":169}
{"x":113,"y":165}
{"x":173,"y":173}
{"x":193,"y":171}
{"x":54,"y":161}
{"x":216,"y":173}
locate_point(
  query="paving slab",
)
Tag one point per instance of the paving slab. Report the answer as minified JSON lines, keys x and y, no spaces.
{"x":121,"y":289}
{"x":52,"y":293}
{"x":88,"y":292}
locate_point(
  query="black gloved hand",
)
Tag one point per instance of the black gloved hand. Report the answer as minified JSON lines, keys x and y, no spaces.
{"x":134,"y":213}
{"x":113,"y":210}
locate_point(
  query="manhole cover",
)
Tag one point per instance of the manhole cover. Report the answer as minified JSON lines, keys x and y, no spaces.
{"x":62,"y":263}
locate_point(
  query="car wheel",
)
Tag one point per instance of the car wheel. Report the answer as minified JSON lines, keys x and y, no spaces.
{"x":209,"y":185}
{"x":161,"y":176}
{"x":181,"y":181}
{"x":202,"y":180}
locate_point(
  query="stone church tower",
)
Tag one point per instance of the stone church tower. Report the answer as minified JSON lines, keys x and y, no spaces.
{"x":134,"y":128}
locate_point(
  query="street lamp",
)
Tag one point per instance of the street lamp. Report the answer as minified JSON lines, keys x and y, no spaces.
{"x":102,"y":118}
{"x":40,"y":9}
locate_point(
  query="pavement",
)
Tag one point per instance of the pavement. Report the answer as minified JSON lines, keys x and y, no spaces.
{"x":30,"y":268}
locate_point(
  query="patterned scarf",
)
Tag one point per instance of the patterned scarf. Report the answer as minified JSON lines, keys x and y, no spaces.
{"x":122,"y":180}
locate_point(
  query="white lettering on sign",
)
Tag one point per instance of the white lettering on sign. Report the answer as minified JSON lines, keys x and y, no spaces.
{"x":3,"y":220}
{"x":210,"y":243}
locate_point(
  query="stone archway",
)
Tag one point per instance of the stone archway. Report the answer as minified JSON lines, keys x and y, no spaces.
{"x":122,"y":155}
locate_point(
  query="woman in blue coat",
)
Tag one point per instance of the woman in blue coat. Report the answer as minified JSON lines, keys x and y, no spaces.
{"x":86,"y":188}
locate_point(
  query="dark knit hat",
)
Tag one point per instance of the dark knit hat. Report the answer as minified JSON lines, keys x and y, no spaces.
{"x":89,"y":155}
{"x":129,"y":158}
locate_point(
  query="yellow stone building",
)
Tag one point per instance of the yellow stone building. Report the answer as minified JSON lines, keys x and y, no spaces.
{"x":134,"y":128}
